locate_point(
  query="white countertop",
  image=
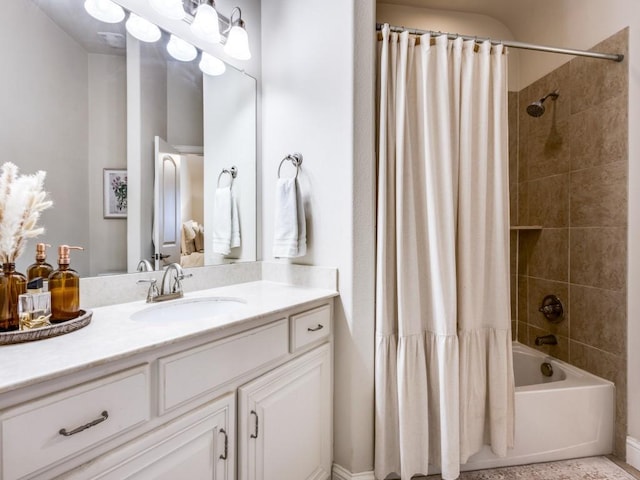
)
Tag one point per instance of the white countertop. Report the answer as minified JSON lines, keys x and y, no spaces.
{"x":113,"y":335}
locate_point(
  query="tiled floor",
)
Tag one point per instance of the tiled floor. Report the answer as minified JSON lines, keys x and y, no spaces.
{"x":592,"y":468}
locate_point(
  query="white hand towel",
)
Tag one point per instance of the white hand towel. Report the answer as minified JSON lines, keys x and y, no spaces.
{"x":222,"y":221}
{"x":235,"y":221}
{"x":290,"y":238}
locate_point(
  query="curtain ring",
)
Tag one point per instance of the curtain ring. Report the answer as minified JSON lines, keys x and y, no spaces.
{"x":295,"y":159}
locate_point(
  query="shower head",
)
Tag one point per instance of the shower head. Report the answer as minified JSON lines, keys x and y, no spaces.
{"x":536,"y":109}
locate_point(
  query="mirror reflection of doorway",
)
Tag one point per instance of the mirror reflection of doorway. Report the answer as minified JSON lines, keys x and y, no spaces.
{"x":178,"y":205}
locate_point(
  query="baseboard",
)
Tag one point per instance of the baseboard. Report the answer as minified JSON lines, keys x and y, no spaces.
{"x":341,"y":473}
{"x":633,"y":452}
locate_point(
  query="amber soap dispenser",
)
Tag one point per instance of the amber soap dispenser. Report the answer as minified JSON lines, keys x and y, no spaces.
{"x":64,"y":285}
{"x":41,"y":268}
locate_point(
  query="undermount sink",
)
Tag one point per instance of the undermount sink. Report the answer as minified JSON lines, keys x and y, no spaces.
{"x":188,"y":309}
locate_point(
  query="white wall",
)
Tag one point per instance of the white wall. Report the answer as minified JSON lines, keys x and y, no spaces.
{"x":309,"y":96}
{"x":107,"y":248}
{"x":309,"y":99}
{"x":229,"y":120}
{"x":184,"y":104}
{"x":44,"y":121}
{"x":192,"y":188}
{"x":146,"y":118}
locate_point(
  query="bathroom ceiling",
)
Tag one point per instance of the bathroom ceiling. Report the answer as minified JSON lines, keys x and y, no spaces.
{"x":509,"y":12}
{"x":94,"y":36}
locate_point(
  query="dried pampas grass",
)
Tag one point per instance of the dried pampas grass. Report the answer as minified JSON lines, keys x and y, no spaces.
{"x":22,"y":200}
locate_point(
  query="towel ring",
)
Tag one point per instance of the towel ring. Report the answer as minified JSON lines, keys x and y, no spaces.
{"x":233,"y":171}
{"x":295,"y":159}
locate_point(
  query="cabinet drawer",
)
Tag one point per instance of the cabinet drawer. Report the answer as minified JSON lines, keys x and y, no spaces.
{"x":310,"y":327}
{"x":33,"y":435}
{"x":198,"y":445}
{"x":186,"y":375}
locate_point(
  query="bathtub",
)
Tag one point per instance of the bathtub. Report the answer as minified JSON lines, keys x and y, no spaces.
{"x":568,"y":415}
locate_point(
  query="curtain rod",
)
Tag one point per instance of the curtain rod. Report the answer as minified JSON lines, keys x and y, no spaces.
{"x":616,"y":57}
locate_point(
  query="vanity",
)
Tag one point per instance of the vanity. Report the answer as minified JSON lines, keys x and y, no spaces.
{"x":245,"y":393}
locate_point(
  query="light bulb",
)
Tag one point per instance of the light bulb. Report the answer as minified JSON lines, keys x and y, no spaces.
{"x":104,"y":10}
{"x":181,"y":50}
{"x":142,"y":29}
{"x":237,"y":45}
{"x":205,"y":24}
{"x":211,"y":65}
{"x":169,"y":8}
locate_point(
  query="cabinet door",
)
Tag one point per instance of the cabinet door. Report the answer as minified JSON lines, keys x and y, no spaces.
{"x":285,"y":427}
{"x":196,"y":446}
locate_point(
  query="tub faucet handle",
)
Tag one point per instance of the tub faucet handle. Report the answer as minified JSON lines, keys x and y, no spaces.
{"x":552,"y":308}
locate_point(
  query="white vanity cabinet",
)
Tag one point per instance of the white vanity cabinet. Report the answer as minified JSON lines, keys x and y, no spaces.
{"x":197,"y":446}
{"x":285,"y":421}
{"x":42,"y":432}
{"x":251,"y":400}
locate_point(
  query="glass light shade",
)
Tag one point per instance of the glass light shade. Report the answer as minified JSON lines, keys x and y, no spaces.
{"x":237,"y":45}
{"x":181,"y":50}
{"x":169,"y":8}
{"x":205,"y":24}
{"x":211,"y":65}
{"x":104,"y":10}
{"x":142,"y":29}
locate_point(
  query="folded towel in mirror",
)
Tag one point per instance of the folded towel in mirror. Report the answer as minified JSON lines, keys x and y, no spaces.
{"x":290,"y":231}
{"x":226,"y":222}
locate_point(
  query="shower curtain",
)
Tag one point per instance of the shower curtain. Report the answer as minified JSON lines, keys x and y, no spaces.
{"x":444,"y":374}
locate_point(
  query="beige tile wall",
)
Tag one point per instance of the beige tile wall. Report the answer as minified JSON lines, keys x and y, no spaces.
{"x":568,"y":172}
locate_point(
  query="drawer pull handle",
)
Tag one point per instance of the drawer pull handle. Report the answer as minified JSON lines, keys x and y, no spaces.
{"x":315,"y":329}
{"x":103,"y":417}
{"x":226,"y":444}
{"x":255,"y":434}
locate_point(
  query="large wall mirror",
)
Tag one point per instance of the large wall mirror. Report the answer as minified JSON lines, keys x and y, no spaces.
{"x":87,"y":103}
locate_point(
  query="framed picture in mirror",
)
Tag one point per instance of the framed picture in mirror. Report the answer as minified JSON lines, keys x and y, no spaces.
{"x":114,"y":186}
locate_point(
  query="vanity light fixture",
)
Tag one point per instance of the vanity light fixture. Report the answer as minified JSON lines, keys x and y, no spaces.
{"x":202,"y":18}
{"x":205,"y":23}
{"x":181,"y":50}
{"x":237,"y":45}
{"x":211,"y":65}
{"x":142,"y":29}
{"x":172,"y":9}
{"x":104,"y":10}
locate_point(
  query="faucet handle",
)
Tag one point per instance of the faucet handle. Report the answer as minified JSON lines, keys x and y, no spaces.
{"x":183,"y":275}
{"x":153,"y":288}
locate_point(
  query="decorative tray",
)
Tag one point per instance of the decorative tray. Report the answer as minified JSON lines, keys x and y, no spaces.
{"x":20,"y":336}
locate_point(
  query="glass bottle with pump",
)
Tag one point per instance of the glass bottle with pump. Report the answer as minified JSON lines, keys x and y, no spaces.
{"x":12,"y":285}
{"x":40,"y":268}
{"x":64,"y":285}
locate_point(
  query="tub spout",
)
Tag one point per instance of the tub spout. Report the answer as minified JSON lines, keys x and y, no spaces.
{"x":546,"y":340}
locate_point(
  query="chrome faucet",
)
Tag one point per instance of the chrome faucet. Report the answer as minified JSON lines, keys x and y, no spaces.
{"x":546,"y":340}
{"x":171,"y":286}
{"x":144,"y":265}
{"x":174,"y":283}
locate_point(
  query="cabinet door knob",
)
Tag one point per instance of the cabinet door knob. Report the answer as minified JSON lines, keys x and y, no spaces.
{"x":255,"y":434}
{"x":226,"y":444}
{"x":103,"y":416}
{"x":315,"y":329}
